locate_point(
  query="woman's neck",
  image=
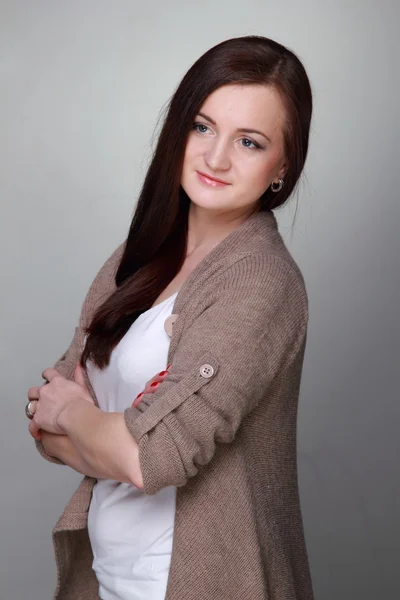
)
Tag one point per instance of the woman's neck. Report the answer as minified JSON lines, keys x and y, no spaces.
{"x":206,"y":229}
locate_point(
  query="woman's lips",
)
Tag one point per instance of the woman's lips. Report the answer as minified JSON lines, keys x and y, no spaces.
{"x":210,"y":181}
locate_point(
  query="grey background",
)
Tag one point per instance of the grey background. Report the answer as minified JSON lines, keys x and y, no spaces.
{"x":82,"y":85}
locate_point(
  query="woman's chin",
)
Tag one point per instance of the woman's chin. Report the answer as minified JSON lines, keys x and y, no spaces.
{"x":209,"y":201}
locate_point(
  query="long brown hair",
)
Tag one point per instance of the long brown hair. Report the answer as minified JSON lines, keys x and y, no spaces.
{"x":155,"y":249}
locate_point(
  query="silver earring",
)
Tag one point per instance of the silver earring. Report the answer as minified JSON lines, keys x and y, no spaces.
{"x":278,"y":187}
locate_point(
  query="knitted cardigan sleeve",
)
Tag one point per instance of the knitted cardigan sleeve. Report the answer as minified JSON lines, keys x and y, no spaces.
{"x":101,"y":287}
{"x":248,"y":327}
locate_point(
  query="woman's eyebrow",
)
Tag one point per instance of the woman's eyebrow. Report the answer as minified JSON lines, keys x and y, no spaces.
{"x":241,"y":130}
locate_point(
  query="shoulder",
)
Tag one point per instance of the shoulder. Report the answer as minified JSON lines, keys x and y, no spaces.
{"x":267,"y":283}
{"x":260,"y":272}
{"x":266,"y":266}
{"x":256,"y":298}
{"x":259,"y":254}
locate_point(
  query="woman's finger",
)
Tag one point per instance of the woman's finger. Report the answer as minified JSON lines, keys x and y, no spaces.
{"x":155,"y":379}
{"x":137,"y":400}
{"x":158,"y":377}
{"x":50,"y":373}
{"x":33,"y":393}
{"x":34,"y":430}
{"x":151,"y":386}
{"x":79,"y":378}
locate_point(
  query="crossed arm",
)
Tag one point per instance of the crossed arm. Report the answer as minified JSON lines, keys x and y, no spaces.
{"x":74,"y":430}
{"x":193,"y":413}
{"x":61,"y":447}
{"x":88,"y":444}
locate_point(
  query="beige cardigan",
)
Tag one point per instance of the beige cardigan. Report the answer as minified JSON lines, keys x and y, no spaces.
{"x":221,"y":427}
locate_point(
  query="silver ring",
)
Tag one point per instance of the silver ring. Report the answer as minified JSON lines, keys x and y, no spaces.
{"x":28,"y":412}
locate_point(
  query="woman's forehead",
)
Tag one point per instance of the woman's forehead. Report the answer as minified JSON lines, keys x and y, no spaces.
{"x":245,"y":106}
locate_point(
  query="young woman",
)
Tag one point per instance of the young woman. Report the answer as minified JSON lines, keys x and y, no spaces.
{"x":191,"y":486}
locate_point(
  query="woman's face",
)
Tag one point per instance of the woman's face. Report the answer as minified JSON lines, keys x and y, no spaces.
{"x":236,"y":138}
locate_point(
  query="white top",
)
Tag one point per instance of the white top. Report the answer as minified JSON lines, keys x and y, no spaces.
{"x":131,"y":532}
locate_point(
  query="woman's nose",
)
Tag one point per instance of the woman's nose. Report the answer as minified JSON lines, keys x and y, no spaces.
{"x":217,"y":157}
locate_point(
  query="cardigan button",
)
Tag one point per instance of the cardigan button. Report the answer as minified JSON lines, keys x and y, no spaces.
{"x":207,"y":371}
{"x":168,"y":324}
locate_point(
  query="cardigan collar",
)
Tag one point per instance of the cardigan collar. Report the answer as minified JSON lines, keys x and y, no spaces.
{"x":250,"y":235}
{"x":254,"y":229}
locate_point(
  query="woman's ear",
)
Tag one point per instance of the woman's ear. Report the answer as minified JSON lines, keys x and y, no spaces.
{"x":283,"y":170}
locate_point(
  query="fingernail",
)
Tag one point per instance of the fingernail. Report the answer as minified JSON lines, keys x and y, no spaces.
{"x":155,"y":384}
{"x":162,"y":373}
{"x":138,"y":396}
{"x":169,"y":366}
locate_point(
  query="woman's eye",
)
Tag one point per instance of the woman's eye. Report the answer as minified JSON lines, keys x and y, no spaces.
{"x":246,"y":143}
{"x":250,"y":144}
{"x":200,"y":127}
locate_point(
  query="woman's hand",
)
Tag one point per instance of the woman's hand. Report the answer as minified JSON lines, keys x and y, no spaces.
{"x":53,"y":443}
{"x":151,"y":386}
{"x":53,"y":397}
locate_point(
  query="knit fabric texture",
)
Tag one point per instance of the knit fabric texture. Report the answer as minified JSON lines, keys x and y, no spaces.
{"x":221,"y":427}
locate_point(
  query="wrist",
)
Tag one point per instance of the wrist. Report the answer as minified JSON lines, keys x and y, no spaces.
{"x":68,"y":415}
{"x":75,"y":414}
